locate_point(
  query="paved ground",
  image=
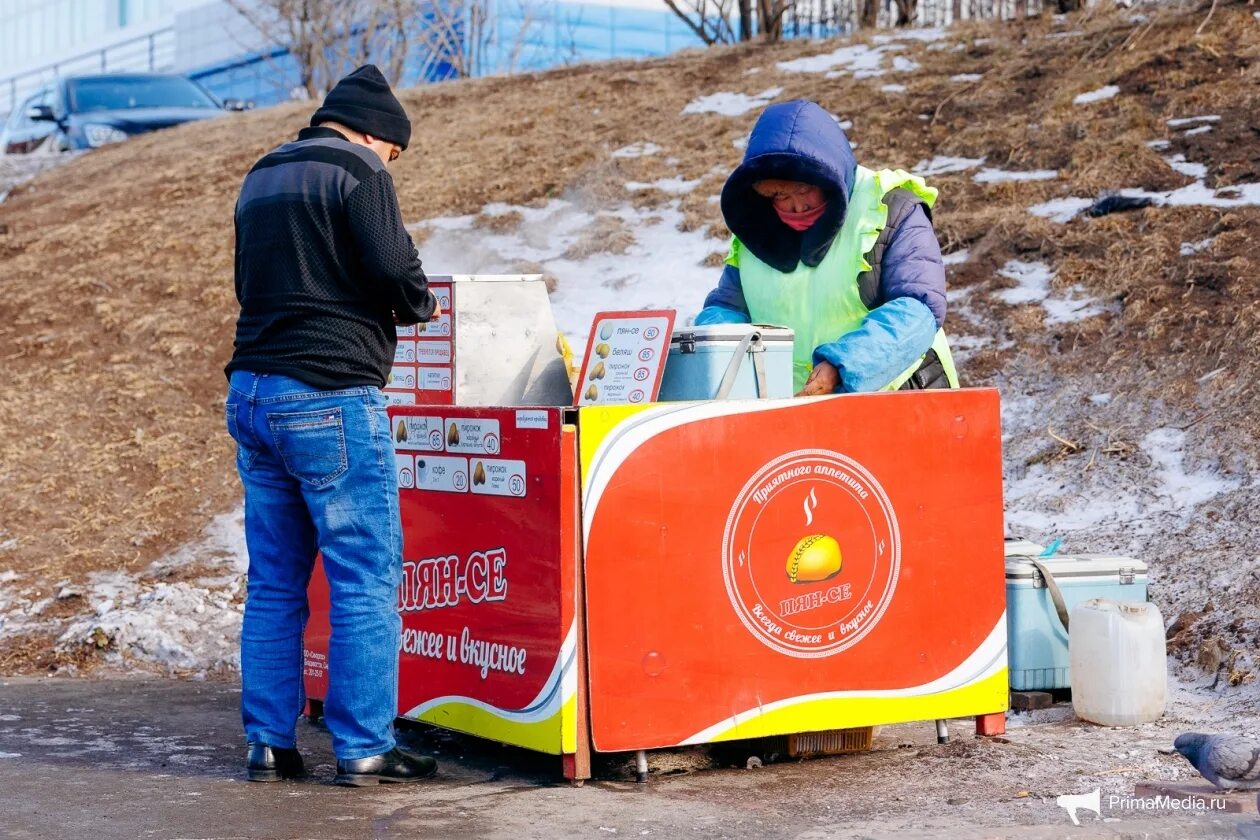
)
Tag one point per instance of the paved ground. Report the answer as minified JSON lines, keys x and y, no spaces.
{"x":161,"y":759}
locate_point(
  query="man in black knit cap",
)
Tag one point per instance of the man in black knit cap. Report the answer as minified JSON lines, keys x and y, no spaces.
{"x":324,"y":271}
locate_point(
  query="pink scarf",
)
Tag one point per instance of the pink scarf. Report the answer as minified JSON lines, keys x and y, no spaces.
{"x":801,"y":221}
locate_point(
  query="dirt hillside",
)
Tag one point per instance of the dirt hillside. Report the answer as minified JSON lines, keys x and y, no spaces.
{"x":117,"y":311}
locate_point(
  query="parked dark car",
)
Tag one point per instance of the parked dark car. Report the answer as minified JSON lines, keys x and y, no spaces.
{"x":83,"y":112}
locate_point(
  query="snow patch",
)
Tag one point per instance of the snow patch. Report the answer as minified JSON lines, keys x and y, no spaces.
{"x":956,"y":258}
{"x":1180,"y":164}
{"x":1000,"y":176}
{"x":1179,"y":488}
{"x":635,"y":150}
{"x":185,"y":626}
{"x":731,"y":104}
{"x":1181,"y":122}
{"x":1061,"y":210}
{"x":1033,"y":286}
{"x":943,"y":165}
{"x":586,"y":283}
{"x":966,"y":77}
{"x":905,"y":65}
{"x":859,"y":59}
{"x":1203,"y":129}
{"x":925,"y":35}
{"x":1176,"y":494}
{"x":1099,"y":95}
{"x":893,"y":88}
{"x":1077,"y":305}
{"x":674,"y":185}
{"x":1032,"y":282}
{"x":1189,"y":249}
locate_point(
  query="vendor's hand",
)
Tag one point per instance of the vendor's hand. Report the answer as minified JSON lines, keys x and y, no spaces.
{"x":824,"y":379}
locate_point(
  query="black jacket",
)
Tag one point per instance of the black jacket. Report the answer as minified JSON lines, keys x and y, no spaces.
{"x":323,"y":265}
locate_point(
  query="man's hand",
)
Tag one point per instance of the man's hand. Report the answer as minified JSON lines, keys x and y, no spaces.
{"x":437,"y":312}
{"x":824,"y":379}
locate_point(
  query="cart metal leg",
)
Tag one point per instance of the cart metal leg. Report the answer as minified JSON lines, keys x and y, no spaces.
{"x":942,"y":732}
{"x":640,"y":767}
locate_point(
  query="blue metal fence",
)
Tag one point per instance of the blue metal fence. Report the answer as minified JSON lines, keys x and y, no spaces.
{"x":522,"y":38}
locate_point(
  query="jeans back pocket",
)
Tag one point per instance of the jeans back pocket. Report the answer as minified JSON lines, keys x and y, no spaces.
{"x":312,"y":444}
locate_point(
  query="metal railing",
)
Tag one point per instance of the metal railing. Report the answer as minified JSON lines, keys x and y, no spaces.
{"x":154,"y":52}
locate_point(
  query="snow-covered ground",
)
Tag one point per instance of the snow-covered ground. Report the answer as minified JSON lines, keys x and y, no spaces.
{"x":186,"y":627}
{"x":1195,"y":194}
{"x":16,"y":170}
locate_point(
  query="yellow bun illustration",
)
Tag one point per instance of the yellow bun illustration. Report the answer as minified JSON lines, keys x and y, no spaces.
{"x":602,"y":350}
{"x":479,"y":474}
{"x":597,"y":372}
{"x":592,"y":393}
{"x":815,"y":558}
{"x":401,"y":434}
{"x":452,"y":435}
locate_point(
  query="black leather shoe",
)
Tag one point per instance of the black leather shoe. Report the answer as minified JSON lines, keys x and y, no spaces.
{"x":391,"y":767}
{"x":271,"y":764}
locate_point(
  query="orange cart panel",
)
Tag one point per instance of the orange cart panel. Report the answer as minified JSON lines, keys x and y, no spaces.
{"x":789,"y":566}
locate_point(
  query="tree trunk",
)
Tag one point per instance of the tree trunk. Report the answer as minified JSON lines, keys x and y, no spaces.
{"x":868,"y":18}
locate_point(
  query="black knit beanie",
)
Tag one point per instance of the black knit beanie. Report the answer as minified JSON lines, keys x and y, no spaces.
{"x":364,"y":102}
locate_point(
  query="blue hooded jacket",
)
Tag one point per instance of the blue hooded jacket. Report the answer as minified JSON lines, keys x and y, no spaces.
{"x":799,"y":141}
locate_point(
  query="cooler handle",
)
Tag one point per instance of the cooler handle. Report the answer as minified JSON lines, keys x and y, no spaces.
{"x":1056,"y":595}
{"x":750,"y":343}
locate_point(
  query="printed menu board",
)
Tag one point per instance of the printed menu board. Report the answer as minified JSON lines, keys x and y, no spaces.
{"x":625,"y":356}
{"x":424,"y":359}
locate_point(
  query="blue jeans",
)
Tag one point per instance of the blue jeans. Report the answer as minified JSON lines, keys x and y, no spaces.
{"x":318,"y":472}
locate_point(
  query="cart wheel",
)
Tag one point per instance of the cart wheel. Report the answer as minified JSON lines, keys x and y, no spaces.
{"x":314,"y":710}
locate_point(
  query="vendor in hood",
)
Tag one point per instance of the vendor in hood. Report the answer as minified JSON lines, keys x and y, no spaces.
{"x":844,"y":255}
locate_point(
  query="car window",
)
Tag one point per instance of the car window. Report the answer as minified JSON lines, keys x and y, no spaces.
{"x":110,"y":94}
{"x":18,"y":118}
{"x":20,"y":113}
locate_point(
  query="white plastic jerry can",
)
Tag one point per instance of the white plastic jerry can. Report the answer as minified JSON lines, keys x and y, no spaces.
{"x":1119,"y":662}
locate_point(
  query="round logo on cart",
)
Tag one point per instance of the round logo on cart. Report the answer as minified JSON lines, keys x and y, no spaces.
{"x":636,"y":396}
{"x":435,"y":439}
{"x":811,"y":553}
{"x":646,"y":354}
{"x":491,"y":442}
{"x":651,"y":333}
{"x":405,"y":478}
{"x":459,"y":480}
{"x":516,"y":485}
{"x":641,"y":374}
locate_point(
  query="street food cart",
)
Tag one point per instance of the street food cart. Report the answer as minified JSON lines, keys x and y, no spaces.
{"x":638,"y":576}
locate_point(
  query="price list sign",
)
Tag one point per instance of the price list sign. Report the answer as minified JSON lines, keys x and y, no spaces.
{"x":625,"y":356}
{"x":424,"y":360}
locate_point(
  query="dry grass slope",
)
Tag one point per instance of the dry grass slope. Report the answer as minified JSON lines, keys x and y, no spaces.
{"x":117,"y":311}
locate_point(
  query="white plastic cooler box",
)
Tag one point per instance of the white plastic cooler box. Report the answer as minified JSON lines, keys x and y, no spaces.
{"x":1037,"y":642}
{"x":701,"y":357}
